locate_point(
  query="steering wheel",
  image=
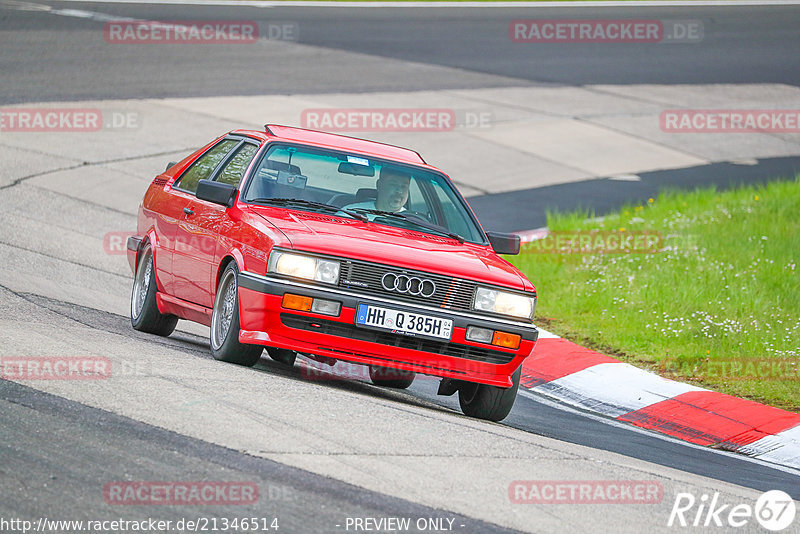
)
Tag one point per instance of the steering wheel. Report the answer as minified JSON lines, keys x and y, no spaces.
{"x":419,"y":215}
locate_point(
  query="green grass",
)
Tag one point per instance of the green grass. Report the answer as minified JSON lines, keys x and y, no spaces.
{"x":717,"y":306}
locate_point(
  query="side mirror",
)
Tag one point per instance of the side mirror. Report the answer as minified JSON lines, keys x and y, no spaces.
{"x":504,"y":243}
{"x":170,"y":165}
{"x":216,"y":192}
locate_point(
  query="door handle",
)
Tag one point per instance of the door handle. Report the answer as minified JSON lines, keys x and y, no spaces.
{"x":187,"y":211}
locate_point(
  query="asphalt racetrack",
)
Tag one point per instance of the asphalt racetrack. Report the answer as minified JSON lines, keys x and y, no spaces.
{"x":326,"y":454}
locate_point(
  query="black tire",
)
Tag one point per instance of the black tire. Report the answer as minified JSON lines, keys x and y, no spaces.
{"x":284,"y":356}
{"x":225,"y":345}
{"x":145,"y":316}
{"x":391,"y":378}
{"x":488,"y":402}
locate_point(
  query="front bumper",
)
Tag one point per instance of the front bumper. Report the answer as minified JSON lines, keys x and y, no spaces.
{"x":263,"y":321}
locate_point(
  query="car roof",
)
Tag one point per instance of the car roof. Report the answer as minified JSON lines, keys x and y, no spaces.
{"x":275,"y":132}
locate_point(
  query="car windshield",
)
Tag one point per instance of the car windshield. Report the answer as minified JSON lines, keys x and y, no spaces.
{"x":383,"y":192}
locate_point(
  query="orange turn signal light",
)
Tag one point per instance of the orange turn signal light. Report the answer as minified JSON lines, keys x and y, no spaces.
{"x":296,"y":302}
{"x":504,"y":339}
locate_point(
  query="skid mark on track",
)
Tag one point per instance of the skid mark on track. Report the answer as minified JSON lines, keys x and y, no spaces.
{"x":22,"y":179}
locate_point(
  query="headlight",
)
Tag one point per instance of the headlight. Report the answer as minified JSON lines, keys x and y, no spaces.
{"x":504,"y":303}
{"x":301,"y":266}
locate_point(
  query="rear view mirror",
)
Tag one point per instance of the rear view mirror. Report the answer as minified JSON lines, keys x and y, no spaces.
{"x":170,"y":165}
{"x":504,"y":243}
{"x":216,"y":192}
{"x":355,"y":169}
{"x":298,"y":181}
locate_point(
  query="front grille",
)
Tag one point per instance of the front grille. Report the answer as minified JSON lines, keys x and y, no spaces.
{"x":365,"y":278}
{"x":350,"y":331}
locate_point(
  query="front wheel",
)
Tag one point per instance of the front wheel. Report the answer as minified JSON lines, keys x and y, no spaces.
{"x":488,"y":402}
{"x":391,"y":378}
{"x":225,"y":345}
{"x":145,"y":316}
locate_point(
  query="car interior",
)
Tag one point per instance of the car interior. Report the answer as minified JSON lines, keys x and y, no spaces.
{"x":277,"y":179}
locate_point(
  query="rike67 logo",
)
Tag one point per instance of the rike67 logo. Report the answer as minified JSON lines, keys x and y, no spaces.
{"x":774,"y":510}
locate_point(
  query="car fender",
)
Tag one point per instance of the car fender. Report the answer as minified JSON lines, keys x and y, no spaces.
{"x":234,"y":254}
{"x":151,"y":236}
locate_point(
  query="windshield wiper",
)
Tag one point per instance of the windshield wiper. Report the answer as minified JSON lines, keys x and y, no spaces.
{"x":310,"y":203}
{"x":419,"y":221}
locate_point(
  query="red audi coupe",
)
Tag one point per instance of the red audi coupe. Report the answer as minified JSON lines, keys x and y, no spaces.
{"x":338,"y":248}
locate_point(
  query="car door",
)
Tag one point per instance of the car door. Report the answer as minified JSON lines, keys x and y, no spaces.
{"x":191,"y":269}
{"x":198,"y":234}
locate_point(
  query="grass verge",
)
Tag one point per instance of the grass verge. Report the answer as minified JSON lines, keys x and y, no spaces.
{"x":707,"y":290}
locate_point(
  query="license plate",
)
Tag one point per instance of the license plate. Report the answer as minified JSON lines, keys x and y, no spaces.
{"x":404,"y":322}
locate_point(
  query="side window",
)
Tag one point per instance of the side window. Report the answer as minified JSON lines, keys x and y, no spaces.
{"x":455,"y":219}
{"x":203,"y":167}
{"x":416,"y":202}
{"x":232,"y":172}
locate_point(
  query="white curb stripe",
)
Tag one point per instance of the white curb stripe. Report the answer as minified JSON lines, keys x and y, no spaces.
{"x":538,"y":397}
{"x":782,"y":448}
{"x":526,"y":236}
{"x":544,"y":334}
{"x":613,"y":389}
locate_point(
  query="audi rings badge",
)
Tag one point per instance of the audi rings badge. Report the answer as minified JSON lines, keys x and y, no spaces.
{"x":408,"y":285}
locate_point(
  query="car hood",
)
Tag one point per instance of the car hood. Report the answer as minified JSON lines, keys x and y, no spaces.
{"x":350,"y":238}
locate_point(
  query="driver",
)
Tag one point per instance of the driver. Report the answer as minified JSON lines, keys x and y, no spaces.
{"x":392,"y":186}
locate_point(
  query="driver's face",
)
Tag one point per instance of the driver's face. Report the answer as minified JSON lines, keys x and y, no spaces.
{"x":392,"y":192}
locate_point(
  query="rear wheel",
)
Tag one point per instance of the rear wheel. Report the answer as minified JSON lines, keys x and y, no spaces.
{"x":488,"y":402}
{"x":391,"y":378}
{"x":225,"y":345}
{"x":284,"y":356}
{"x":145,"y":316}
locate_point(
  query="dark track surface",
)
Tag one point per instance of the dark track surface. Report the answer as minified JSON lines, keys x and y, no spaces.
{"x":52,"y":57}
{"x":58,"y":455}
{"x":527,"y":209}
